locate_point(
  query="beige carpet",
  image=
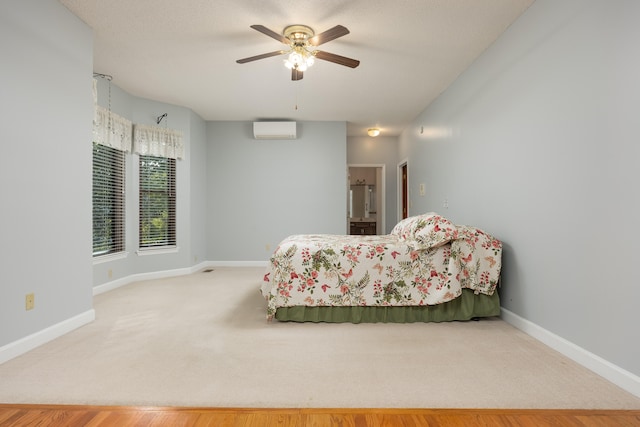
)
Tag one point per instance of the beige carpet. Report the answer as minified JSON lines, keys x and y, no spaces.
{"x":202,"y":340}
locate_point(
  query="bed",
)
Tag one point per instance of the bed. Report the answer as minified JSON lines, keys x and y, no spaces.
{"x":426,"y":270}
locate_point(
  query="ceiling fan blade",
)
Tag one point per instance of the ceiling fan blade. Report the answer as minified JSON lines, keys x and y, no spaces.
{"x":264,"y":55}
{"x":296,"y":74}
{"x":327,"y":36}
{"x":332,"y":57}
{"x":271,"y":33}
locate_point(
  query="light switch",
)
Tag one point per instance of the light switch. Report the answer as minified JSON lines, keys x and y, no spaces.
{"x":422,"y":189}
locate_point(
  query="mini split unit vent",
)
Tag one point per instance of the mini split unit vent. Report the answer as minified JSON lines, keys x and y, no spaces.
{"x":274,"y":130}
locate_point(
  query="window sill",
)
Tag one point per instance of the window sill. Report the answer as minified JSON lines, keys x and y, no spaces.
{"x":158,"y":251}
{"x":109,"y":257}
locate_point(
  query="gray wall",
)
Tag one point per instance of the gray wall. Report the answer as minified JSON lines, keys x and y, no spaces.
{"x":381,"y":150}
{"x":261,"y":191}
{"x":539,"y":145}
{"x":45,"y":175}
{"x":198,"y":190}
{"x":191,"y":188}
{"x":238,"y":197}
{"x":536,"y":143}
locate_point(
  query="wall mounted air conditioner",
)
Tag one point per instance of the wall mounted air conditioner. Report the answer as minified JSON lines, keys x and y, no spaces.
{"x":274,"y":130}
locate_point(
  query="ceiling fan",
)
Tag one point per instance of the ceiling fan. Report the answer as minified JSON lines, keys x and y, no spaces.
{"x":301,"y":41}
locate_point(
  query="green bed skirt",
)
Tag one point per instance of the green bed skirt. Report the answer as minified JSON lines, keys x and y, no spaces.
{"x":466,"y":307}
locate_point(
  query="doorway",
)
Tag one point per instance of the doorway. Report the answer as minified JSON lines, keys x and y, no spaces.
{"x":366,"y":199}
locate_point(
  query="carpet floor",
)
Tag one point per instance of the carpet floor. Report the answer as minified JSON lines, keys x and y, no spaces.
{"x":202,"y":340}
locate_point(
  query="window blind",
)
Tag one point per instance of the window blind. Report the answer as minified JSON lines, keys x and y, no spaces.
{"x":157,"y":202}
{"x":108,"y":199}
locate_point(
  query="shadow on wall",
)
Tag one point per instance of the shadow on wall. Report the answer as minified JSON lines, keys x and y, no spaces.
{"x":508,"y":288}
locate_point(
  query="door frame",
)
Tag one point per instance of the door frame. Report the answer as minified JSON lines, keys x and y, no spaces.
{"x":403,"y":190}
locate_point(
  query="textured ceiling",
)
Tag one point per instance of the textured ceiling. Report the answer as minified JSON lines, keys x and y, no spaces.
{"x":184,"y":52}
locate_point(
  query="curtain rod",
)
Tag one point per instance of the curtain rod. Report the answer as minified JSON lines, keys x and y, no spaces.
{"x":103,"y":76}
{"x":159,"y":118}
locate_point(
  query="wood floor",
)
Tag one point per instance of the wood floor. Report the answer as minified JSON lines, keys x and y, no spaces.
{"x":69,"y":416}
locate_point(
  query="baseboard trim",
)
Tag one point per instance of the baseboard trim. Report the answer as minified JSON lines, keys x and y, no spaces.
{"x":39,"y":338}
{"x":109,"y":286}
{"x":139,"y":277}
{"x":238,"y":263}
{"x":620,"y":377}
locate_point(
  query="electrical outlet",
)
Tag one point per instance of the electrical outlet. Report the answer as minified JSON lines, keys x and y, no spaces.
{"x":30,"y":301}
{"x":267,"y":247}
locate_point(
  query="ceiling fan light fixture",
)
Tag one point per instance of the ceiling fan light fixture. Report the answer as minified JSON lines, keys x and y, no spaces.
{"x":309,"y":60}
{"x":373,"y":132}
{"x":300,"y":59}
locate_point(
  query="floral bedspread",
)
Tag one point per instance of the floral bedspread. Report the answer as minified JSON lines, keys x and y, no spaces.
{"x":426,"y":260}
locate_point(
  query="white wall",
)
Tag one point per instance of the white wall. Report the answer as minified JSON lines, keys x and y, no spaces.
{"x":46,"y":108}
{"x":261,"y":191}
{"x":538,"y":144}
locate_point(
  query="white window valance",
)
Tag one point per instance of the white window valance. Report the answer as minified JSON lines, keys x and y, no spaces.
{"x":157,"y":141}
{"x":111,"y":129}
{"x":95,"y":92}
